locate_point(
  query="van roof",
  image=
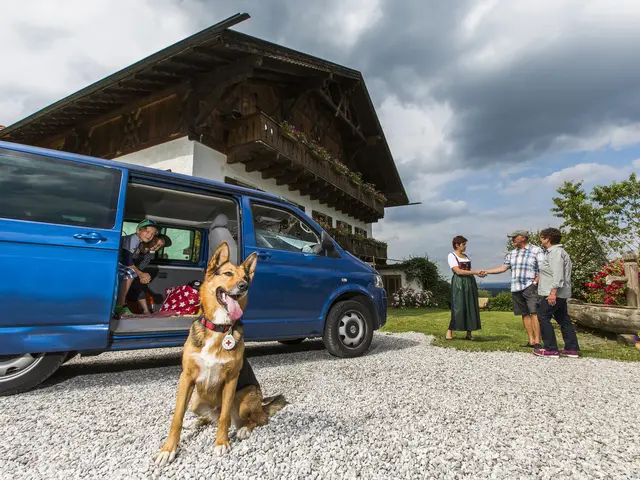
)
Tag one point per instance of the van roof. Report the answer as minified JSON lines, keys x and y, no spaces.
{"x":138,"y":170}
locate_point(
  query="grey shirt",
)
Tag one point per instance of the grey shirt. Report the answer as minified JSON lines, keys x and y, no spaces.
{"x":555,"y":272}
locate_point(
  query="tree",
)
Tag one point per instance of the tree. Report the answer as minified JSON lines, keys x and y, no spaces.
{"x":620,"y":213}
{"x":426,"y":272}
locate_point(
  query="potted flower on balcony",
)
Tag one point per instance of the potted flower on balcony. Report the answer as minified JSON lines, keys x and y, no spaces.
{"x":288,"y":131}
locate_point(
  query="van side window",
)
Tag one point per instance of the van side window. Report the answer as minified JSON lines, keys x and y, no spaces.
{"x":185,"y":245}
{"x":42,"y":189}
{"x":282,"y":230}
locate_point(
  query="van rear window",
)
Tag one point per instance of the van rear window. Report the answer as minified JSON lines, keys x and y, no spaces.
{"x":42,"y":189}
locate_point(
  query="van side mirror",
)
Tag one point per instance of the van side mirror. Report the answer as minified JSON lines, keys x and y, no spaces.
{"x":327,"y":243}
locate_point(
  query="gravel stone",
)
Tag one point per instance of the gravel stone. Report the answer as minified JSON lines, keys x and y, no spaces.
{"x":406,"y":410}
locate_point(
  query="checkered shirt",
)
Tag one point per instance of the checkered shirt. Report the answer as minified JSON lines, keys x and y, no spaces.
{"x":525,"y":266}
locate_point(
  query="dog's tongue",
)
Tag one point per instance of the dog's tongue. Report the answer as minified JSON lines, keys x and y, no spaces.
{"x":233,"y":308}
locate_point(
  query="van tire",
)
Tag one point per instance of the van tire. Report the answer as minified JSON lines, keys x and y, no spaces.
{"x":348,"y":330}
{"x":32,"y":377}
{"x":294,"y":341}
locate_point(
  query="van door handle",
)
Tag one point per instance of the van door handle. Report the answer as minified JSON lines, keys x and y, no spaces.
{"x":90,"y":236}
{"x":264,"y":255}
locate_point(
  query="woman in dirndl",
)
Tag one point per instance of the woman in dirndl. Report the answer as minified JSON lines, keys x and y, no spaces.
{"x":465,"y":311}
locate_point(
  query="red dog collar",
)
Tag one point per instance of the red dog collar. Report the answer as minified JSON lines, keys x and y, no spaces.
{"x":216,"y":328}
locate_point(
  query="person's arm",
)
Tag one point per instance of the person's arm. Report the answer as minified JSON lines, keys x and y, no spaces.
{"x":497,"y":270}
{"x":556,"y":264}
{"x":459,"y":271}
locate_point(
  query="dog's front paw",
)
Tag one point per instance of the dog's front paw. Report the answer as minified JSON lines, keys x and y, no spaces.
{"x":221,"y":449}
{"x":164,"y":457}
{"x":243,"y":433}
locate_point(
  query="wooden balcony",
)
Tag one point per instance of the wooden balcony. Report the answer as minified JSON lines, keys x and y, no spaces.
{"x":258,"y":142}
{"x":365,"y":249}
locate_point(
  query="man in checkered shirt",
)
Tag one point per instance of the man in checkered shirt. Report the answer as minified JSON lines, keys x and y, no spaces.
{"x":524,"y":261}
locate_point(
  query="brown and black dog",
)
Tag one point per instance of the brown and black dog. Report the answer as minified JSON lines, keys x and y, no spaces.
{"x":213,"y":361}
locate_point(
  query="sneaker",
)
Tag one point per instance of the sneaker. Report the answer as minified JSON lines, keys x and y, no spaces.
{"x":541,"y":352}
{"x":570,"y":353}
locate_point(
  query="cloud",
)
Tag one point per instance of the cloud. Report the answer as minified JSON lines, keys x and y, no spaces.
{"x":429,"y":213}
{"x":586,"y":172}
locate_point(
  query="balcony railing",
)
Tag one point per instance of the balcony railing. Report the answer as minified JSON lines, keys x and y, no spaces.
{"x":368,"y":249}
{"x":258,"y":142}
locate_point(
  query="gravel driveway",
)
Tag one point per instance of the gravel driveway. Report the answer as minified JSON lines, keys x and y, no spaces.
{"x":405,"y":410}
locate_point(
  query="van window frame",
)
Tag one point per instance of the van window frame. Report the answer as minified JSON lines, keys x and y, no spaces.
{"x":288,"y":209}
{"x":168,"y":183}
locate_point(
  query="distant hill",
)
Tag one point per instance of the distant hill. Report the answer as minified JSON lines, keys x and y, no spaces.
{"x":495,"y":287}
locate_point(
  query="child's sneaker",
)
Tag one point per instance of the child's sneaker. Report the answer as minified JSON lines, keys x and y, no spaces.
{"x":541,"y":352}
{"x":570,"y":353}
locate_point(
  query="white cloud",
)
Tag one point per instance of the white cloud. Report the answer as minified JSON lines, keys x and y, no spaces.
{"x":636,"y":163}
{"x":348,"y":20}
{"x":57,"y":48}
{"x":417,"y":133}
{"x":586,"y":172}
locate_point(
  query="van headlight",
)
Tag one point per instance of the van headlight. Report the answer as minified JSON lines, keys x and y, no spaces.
{"x":377,"y":281}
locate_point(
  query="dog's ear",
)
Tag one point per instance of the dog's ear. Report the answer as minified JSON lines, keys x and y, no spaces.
{"x":219,"y":257}
{"x":249,"y":265}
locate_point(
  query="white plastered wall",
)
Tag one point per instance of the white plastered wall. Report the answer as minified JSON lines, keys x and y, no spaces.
{"x":175,"y":155}
{"x":404,"y":282}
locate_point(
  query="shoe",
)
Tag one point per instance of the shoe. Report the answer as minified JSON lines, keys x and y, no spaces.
{"x":527,"y":345}
{"x":537,"y":346}
{"x":570,"y":353}
{"x":541,"y":352}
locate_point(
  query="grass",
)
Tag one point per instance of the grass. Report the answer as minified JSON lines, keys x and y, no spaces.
{"x":501,"y":331}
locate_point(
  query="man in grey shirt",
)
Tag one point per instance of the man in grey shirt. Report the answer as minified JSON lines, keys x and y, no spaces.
{"x":554,"y":290}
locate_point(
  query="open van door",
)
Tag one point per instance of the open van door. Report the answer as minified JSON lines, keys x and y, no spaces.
{"x":60,"y":227}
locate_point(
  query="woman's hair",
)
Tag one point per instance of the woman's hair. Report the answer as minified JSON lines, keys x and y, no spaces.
{"x":457,"y":240}
{"x":553,"y":234}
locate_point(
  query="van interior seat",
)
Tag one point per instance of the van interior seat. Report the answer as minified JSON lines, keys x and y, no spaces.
{"x":219,"y":232}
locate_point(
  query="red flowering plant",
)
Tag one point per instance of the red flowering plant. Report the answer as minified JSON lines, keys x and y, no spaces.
{"x":599,"y":292}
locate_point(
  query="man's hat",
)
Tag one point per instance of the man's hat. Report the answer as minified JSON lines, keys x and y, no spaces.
{"x":517,"y":233}
{"x":146,"y":223}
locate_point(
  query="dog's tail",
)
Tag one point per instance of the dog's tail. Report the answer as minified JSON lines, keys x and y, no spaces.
{"x":272,"y":404}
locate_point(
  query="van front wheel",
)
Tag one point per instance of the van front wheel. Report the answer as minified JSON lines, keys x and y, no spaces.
{"x":19,"y":373}
{"x":348,"y":330}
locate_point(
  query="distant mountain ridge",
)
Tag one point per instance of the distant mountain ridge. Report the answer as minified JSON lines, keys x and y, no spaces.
{"x":495,"y":287}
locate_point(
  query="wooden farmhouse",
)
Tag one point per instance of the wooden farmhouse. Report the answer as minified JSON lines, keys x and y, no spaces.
{"x":233,"y":108}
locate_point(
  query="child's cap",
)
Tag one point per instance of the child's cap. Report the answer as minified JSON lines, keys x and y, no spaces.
{"x":146,"y":223}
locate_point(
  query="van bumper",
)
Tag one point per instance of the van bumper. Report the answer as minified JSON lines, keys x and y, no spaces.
{"x":380,"y":301}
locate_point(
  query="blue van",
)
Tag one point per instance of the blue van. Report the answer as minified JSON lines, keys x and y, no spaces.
{"x":62,"y":217}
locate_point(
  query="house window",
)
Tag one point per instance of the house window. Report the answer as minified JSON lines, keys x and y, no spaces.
{"x":361,"y":231}
{"x":392,"y":283}
{"x":343,"y":226}
{"x":238,"y":183}
{"x":321,"y":218}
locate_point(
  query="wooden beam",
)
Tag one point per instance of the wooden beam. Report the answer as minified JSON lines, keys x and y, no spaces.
{"x":288,"y":178}
{"x":210,"y":87}
{"x":329,"y":102}
{"x":257,"y":165}
{"x":271,"y":171}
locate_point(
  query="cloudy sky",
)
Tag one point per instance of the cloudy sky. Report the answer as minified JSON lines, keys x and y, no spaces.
{"x":488,"y":106}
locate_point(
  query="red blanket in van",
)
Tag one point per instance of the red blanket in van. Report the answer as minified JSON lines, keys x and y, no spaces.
{"x":183,"y":300}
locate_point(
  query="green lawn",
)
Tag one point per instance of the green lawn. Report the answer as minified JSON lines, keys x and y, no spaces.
{"x":500,"y":331}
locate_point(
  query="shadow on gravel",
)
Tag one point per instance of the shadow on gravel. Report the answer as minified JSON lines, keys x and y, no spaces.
{"x":122,"y":363}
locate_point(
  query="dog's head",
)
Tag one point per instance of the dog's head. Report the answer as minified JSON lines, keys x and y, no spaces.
{"x":223,"y":293}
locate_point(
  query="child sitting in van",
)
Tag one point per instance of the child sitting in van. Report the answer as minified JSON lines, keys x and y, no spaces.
{"x":127,"y":271}
{"x":141,"y":260}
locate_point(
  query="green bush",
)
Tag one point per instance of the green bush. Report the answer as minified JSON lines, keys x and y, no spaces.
{"x":441,"y":294}
{"x":482,"y":293}
{"x":503,"y":302}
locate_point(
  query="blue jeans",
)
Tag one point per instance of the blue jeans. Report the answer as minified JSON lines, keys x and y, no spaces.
{"x":560,"y":312}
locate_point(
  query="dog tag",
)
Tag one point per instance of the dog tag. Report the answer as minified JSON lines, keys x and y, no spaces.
{"x":228,"y":342}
